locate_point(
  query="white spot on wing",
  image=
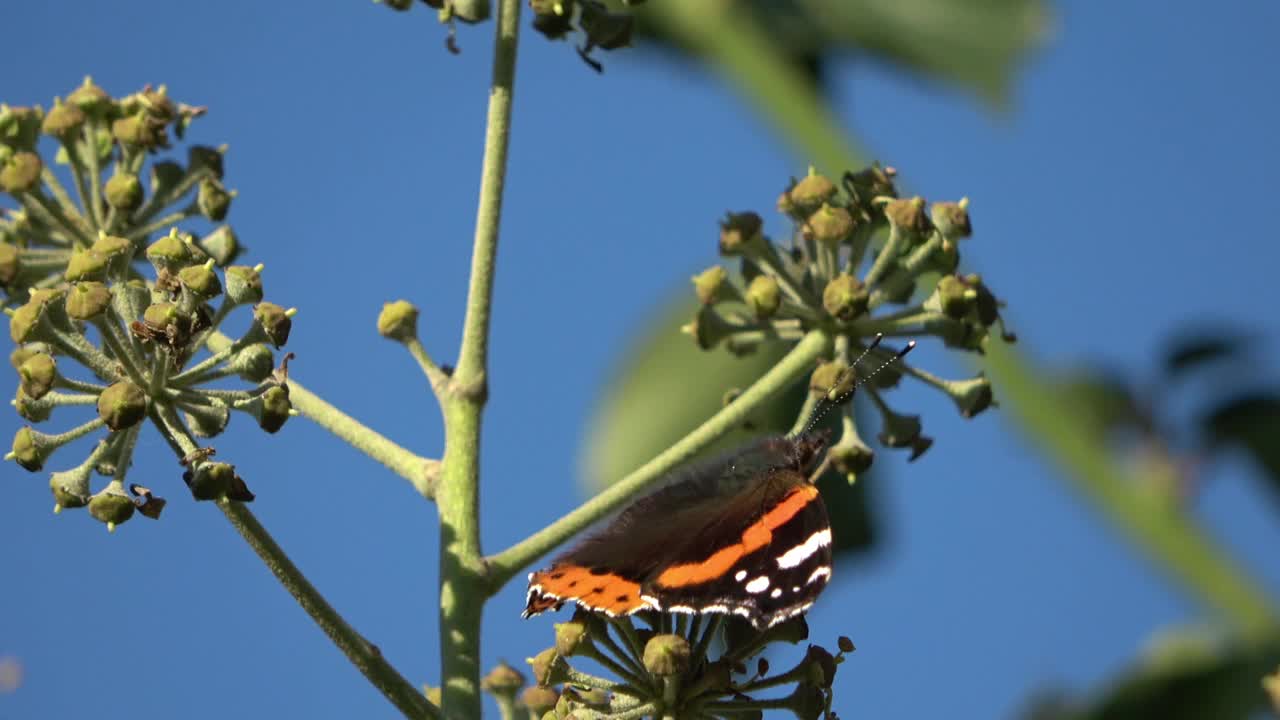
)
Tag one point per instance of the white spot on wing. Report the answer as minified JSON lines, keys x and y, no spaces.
{"x":777,"y":593}
{"x":820,"y":573}
{"x":804,"y":550}
{"x":757,"y":585}
{"x":740,"y":575}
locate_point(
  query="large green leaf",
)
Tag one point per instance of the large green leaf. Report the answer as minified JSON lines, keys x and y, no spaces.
{"x":666,"y":387}
{"x":1251,"y":422}
{"x":974,"y":44}
{"x":1199,"y":684}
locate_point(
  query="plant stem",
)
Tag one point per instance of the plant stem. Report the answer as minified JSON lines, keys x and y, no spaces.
{"x":795,"y":364}
{"x":363,"y":654}
{"x":462,"y":576}
{"x":1171,"y":539}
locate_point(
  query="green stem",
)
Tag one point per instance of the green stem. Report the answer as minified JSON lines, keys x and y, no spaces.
{"x":462,"y":575}
{"x":363,"y":654}
{"x":796,"y":363}
{"x":1173,"y":540}
{"x":419,"y":471}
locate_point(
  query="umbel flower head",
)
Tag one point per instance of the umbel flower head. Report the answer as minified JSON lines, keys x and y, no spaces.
{"x":862,"y":264}
{"x":128,"y":349}
{"x":93,"y":328}
{"x":658,"y":665}
{"x":105,"y":174}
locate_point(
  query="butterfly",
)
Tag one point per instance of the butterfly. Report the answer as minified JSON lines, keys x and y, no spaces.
{"x":744,"y":534}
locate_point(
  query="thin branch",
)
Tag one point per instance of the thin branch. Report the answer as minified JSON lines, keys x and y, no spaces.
{"x":419,"y":471}
{"x":796,"y":363}
{"x":363,"y":654}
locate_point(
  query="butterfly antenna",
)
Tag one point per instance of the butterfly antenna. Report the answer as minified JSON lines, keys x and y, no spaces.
{"x":829,"y":400}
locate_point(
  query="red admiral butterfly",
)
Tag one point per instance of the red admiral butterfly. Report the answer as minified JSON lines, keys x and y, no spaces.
{"x":746,"y":534}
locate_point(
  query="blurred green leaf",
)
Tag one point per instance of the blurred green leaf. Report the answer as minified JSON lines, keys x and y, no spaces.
{"x":974,"y":44}
{"x":1251,"y":422}
{"x":1195,"y":351}
{"x":667,"y":386}
{"x":1222,"y":685}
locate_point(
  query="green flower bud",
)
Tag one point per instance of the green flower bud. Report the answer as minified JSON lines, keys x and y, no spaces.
{"x":871,"y":183}
{"x":210,"y":480}
{"x":92,"y":99}
{"x":569,"y":636}
{"x":274,"y":321}
{"x":10,"y":263}
{"x":139,"y":130}
{"x":711,"y":285}
{"x":471,"y":11}
{"x":764,"y":296}
{"x":845,"y":644}
{"x":539,"y":699}
{"x":808,"y":701}
{"x":737,"y":230}
{"x":553,"y":25}
{"x":593,"y":698}
{"x":831,"y":380}
{"x":845,"y":298}
{"x":907,"y":216}
{"x":606,"y":30}
{"x":86,"y":264}
{"x":851,"y":457}
{"x":207,"y":159}
{"x":31,"y":448}
{"x":400,"y":5}
{"x":899,"y":430}
{"x":822,"y":667}
{"x":71,"y":488}
{"x":122,"y":405}
{"x":222,"y":245}
{"x":36,"y":411}
{"x":112,"y":247}
{"x":709,"y":329}
{"x":546,"y":667}
{"x":124,"y":192}
{"x":165,"y":175}
{"x":244,"y":284}
{"x":810,"y":193}
{"x":213,"y":200}
{"x":63,"y":120}
{"x":19,"y":127}
{"x":954,"y":297}
{"x":170,"y":252}
{"x":37,"y":375}
{"x":271,"y":408}
{"x":201,"y":281}
{"x":21,"y":172}
{"x":131,"y":298}
{"x":87,"y":300}
{"x":398,"y":321}
{"x":667,"y":655}
{"x":971,"y":396}
{"x":22,"y":353}
{"x":35,"y":320}
{"x":952,"y":219}
{"x":502,"y":680}
{"x":164,"y":316}
{"x":254,"y":363}
{"x":112,"y":505}
{"x":208,"y":421}
{"x":830,"y":225}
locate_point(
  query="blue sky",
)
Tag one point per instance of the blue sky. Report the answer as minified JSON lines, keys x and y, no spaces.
{"x":1125,"y":195}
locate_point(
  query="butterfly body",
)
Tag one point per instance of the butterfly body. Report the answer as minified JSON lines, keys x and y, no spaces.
{"x":746,"y":534}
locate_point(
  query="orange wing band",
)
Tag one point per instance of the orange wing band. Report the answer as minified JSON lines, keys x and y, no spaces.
{"x":756,"y":536}
{"x":605,"y":592}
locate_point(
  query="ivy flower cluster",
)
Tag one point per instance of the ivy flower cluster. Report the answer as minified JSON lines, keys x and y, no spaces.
{"x":686,"y":666}
{"x":861,"y":263}
{"x":92,"y":328}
